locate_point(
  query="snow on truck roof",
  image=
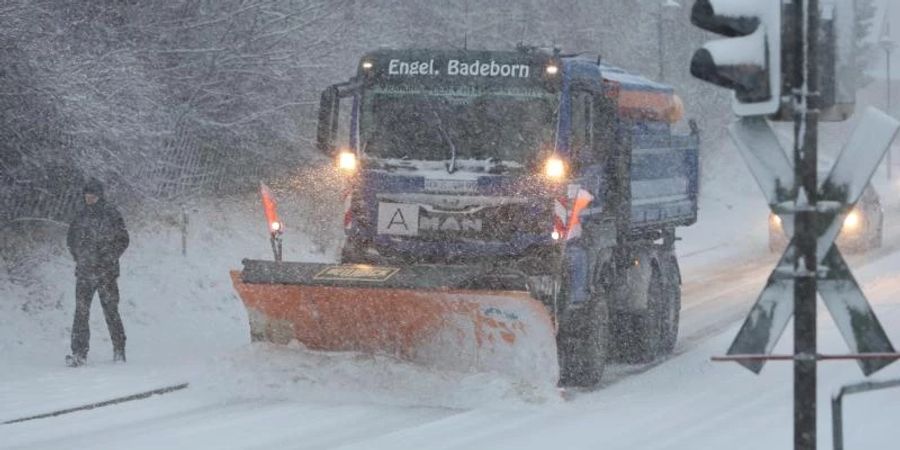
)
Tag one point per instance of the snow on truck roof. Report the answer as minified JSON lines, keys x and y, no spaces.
{"x":627,"y":80}
{"x":632,"y":80}
{"x":638,"y":97}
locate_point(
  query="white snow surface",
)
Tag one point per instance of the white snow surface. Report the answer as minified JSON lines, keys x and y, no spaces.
{"x":185,"y":324}
{"x":745,"y":50}
{"x":739,"y":8}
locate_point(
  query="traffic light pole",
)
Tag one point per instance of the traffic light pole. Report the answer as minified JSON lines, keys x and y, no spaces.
{"x":806,"y":119}
{"x":764,"y":78}
{"x":887,"y":53}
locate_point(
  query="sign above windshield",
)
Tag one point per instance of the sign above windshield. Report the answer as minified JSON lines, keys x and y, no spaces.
{"x":454,"y":67}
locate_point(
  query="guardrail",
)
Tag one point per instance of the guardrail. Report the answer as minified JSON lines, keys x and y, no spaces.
{"x":837,"y":417}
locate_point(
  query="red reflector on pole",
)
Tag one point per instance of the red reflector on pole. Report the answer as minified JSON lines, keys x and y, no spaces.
{"x":270,"y":208}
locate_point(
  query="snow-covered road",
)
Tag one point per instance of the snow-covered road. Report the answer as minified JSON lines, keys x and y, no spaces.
{"x":268,"y":397}
{"x":685,"y":402}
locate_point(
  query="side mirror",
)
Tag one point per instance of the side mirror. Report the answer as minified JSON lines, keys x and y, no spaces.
{"x":606,"y":129}
{"x":328,"y":120}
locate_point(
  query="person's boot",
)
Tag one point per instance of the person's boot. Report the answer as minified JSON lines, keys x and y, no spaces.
{"x":119,"y":355}
{"x":75,"y":360}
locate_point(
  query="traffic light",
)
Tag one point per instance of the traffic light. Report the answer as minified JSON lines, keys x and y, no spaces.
{"x":749,"y":61}
{"x":837,"y":60}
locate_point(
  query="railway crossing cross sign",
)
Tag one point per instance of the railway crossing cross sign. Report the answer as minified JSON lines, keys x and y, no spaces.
{"x":837,"y":195}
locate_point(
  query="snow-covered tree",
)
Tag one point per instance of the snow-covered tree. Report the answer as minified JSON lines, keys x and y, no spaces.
{"x":166,"y":98}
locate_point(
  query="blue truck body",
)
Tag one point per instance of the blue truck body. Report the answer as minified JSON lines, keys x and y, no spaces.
{"x":428,"y":189}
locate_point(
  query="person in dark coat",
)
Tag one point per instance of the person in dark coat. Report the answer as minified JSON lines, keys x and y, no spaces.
{"x":97,"y":238}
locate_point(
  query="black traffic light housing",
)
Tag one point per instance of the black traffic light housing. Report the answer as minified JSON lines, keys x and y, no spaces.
{"x":749,"y":62}
{"x":755,"y":60}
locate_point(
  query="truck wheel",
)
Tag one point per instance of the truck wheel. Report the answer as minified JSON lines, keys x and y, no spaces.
{"x":582,"y":343}
{"x":645,"y":340}
{"x":671,"y":312}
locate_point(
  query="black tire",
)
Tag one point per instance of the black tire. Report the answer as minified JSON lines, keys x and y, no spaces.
{"x":584,"y":337}
{"x":583,"y":344}
{"x":671,"y":311}
{"x":644,"y":341}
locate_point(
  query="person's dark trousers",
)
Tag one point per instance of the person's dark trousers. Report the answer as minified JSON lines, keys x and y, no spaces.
{"x":109,"y":299}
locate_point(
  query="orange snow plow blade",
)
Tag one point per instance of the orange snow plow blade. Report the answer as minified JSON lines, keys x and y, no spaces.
{"x":419,"y":314}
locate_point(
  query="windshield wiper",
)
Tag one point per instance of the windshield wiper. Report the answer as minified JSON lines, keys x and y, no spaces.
{"x":496,"y":165}
{"x":451,"y":167}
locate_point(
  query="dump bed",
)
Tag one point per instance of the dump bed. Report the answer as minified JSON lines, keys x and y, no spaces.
{"x":664,"y":180}
{"x":664,"y":166}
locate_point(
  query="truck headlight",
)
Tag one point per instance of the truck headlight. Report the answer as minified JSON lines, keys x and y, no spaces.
{"x":347,"y":162}
{"x":852,"y":221}
{"x":555,"y":168}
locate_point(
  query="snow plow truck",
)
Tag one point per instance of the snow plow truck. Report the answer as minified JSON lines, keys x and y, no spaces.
{"x":505,"y":211}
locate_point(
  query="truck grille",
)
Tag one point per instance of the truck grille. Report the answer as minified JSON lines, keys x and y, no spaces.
{"x":444,"y":218}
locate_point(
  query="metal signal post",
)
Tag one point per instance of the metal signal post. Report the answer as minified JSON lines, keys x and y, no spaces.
{"x":780,"y":61}
{"x":806,"y":121}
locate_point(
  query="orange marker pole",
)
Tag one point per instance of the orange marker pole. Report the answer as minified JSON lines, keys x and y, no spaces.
{"x":275,"y":226}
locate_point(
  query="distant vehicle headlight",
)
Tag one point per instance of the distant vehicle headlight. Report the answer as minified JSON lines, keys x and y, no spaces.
{"x":775,"y":220}
{"x":853,"y":220}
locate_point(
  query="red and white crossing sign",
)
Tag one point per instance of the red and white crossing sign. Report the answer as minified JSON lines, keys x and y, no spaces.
{"x":837,"y":195}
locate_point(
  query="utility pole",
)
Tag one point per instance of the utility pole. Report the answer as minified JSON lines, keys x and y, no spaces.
{"x":660,"y":34}
{"x":659,"y":44}
{"x":806,"y":120}
{"x":887,"y":44}
{"x":887,"y":51}
{"x":466,"y":17}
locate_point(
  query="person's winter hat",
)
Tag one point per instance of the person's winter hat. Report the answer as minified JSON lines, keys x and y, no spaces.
{"x":94,"y":186}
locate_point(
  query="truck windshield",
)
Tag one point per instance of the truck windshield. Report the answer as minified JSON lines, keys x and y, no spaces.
{"x":435,"y":126}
